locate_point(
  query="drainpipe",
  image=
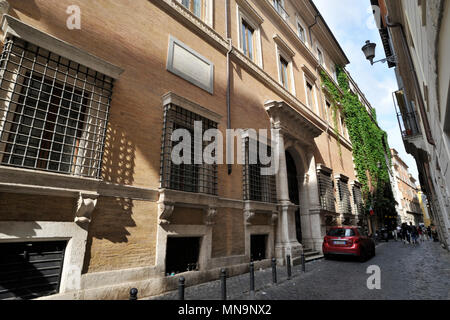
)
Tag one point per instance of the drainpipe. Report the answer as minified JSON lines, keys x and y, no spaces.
{"x":311,"y":26}
{"x":230,"y":49}
{"x":423,"y":113}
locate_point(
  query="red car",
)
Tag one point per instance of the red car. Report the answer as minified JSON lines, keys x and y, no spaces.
{"x":352,"y":241}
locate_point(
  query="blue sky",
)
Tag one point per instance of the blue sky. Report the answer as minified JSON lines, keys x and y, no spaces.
{"x":352,"y":23}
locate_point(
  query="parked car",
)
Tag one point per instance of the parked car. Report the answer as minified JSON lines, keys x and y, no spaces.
{"x":351,"y":241}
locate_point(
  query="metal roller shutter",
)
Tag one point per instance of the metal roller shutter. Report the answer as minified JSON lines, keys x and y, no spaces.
{"x":30,"y":269}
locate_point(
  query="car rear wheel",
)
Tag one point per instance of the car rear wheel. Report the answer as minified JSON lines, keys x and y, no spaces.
{"x":363,"y":255}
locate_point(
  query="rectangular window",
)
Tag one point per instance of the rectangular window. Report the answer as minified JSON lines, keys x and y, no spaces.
{"x":279,"y":7}
{"x":343,"y":197}
{"x":257,"y":187}
{"x":301,"y":32}
{"x":309,"y":95}
{"x":357,"y":200}
{"x":343,"y":127}
{"x":196,"y":7}
{"x":326,"y":193}
{"x":284,"y":74}
{"x":320,"y":56}
{"x":54,"y":111}
{"x":248,"y":40}
{"x":188,"y":177}
{"x":329,"y":112}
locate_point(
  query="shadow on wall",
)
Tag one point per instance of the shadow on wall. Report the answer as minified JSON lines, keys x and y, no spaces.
{"x":27,"y":7}
{"x":112,"y":216}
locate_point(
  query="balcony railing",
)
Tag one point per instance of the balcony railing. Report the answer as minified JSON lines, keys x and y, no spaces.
{"x":408,"y":124}
{"x":280,"y":9}
{"x":407,"y":119}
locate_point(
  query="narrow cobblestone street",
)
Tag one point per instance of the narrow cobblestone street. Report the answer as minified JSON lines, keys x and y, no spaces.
{"x":407,"y":272}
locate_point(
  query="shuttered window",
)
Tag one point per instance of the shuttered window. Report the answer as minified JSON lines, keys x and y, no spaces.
{"x":30,"y":270}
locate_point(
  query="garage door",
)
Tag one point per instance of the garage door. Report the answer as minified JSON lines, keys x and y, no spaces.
{"x":30,"y":270}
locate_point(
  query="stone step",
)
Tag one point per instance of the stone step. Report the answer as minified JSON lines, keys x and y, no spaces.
{"x":307,"y":250}
{"x":314,"y":257}
{"x":309,"y":256}
{"x":311,"y":253}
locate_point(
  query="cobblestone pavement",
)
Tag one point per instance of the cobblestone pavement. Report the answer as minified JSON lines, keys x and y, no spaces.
{"x":407,"y":272}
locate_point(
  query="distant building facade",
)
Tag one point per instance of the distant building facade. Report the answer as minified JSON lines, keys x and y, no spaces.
{"x":406,"y":192}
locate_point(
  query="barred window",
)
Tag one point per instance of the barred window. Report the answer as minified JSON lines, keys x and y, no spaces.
{"x":53,"y":111}
{"x":326,"y":193}
{"x":344,"y":203}
{"x":188,"y":177}
{"x":357,"y":200}
{"x":258,"y":187}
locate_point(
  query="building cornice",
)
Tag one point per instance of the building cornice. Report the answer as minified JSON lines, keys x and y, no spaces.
{"x":13,"y":27}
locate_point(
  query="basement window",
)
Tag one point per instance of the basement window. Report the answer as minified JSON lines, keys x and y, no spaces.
{"x":258,"y":247}
{"x":182,"y":254}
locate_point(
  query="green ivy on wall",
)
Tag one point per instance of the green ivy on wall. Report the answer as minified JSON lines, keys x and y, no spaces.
{"x":370,"y":144}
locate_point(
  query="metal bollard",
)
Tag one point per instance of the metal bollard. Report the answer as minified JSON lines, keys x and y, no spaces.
{"x":252,"y":279}
{"x":223,"y":278}
{"x":181,"y":288}
{"x":274,"y":270}
{"x":303,"y":262}
{"x":133,"y":294}
{"x":288,"y":266}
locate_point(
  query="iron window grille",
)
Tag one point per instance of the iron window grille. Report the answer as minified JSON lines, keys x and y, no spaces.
{"x":357,"y":200}
{"x":53,"y":111}
{"x":188,"y":177}
{"x":326,"y":194}
{"x":258,"y":187}
{"x":343,"y":197}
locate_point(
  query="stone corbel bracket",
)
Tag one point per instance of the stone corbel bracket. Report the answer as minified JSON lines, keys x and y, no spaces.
{"x":165,"y":210}
{"x":86,"y":204}
{"x":274,"y":218}
{"x":248,"y":216}
{"x":210,"y":214}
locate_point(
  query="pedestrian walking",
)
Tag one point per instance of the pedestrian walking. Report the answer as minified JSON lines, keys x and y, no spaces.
{"x":422,"y":234}
{"x":414,"y":235}
{"x":429,"y":232}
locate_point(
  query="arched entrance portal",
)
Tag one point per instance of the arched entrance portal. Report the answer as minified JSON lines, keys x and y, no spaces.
{"x":294,"y":192}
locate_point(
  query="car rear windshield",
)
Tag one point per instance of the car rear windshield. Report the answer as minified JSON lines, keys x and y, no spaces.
{"x":341,"y":232}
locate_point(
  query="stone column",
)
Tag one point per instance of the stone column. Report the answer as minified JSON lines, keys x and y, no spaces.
{"x":286,"y":242}
{"x":314,"y":207}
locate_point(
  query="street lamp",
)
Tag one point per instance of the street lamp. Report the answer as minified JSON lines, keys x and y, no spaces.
{"x":369,"y":52}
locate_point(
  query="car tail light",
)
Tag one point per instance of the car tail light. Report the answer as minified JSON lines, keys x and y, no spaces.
{"x":357,"y":240}
{"x":350,"y":242}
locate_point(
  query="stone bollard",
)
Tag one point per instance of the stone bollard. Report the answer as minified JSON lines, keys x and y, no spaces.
{"x":133,"y":294}
{"x":181,"y":288}
{"x":252,"y":279}
{"x":288,"y":266}
{"x":223,"y":281}
{"x":274,"y":270}
{"x":303,"y":262}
